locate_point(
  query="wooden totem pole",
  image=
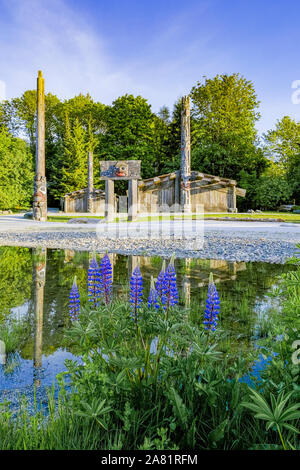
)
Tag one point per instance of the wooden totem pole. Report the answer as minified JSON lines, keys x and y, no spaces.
{"x":90,"y":185}
{"x":185,"y":166}
{"x":40,"y":186}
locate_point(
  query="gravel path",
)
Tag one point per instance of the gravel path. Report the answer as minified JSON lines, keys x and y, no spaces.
{"x":227,"y":245}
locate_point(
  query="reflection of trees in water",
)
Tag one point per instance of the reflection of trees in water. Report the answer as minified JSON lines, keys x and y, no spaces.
{"x":15,"y":278}
{"x":235,"y":282}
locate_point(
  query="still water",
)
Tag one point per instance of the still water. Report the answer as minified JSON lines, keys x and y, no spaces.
{"x":34,"y":293}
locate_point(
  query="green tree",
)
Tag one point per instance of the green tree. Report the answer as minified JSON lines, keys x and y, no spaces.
{"x":272,"y":188}
{"x":283,"y":142}
{"x":16,"y":172}
{"x":83,"y":112}
{"x":73,"y":174}
{"x":282,"y":145}
{"x":224,"y":134}
{"x":130,"y":133}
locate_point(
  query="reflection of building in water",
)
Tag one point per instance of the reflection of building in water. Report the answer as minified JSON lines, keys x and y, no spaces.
{"x":197,"y":273}
{"x":192,"y":273}
{"x":69,"y":255}
{"x":39,"y":278}
{"x":2,"y":353}
{"x":133,"y":262}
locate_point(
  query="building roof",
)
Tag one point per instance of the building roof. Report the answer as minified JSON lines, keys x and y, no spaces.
{"x":199,"y":179}
{"x":81,"y":192}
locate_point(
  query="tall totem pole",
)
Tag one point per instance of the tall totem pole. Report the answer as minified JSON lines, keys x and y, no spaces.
{"x":185,"y":166}
{"x":90,"y":183}
{"x":40,"y":186}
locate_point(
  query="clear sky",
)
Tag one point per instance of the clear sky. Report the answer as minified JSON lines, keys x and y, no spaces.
{"x":158,"y":49}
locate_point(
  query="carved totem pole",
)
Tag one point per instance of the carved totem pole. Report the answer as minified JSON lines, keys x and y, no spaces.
{"x":185,"y":166}
{"x":40,"y":186}
{"x":90,"y":185}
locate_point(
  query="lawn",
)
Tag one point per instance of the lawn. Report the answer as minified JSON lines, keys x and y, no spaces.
{"x":286,"y":216}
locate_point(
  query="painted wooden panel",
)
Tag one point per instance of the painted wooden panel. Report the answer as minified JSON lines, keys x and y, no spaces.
{"x":120,"y":170}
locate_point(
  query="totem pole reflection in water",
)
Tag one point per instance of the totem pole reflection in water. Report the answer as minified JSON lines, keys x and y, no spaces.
{"x":39,"y":278}
{"x":2,"y":353}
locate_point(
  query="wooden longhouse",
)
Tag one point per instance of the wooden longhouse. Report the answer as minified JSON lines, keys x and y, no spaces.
{"x":181,"y":190}
{"x":216,"y":194}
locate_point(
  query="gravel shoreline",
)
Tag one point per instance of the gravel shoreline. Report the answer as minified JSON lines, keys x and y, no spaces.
{"x":216,"y":245}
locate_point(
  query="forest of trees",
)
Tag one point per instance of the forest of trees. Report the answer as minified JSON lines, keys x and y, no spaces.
{"x":224,"y":113}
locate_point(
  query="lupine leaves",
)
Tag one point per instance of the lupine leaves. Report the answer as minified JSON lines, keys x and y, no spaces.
{"x":277,"y":414}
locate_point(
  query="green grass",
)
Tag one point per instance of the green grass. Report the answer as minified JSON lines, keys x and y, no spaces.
{"x":287,"y":217}
{"x":57,"y":218}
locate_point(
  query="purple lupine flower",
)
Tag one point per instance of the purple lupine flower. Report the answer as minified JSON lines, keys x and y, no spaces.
{"x":153,"y":296}
{"x":74,"y":301}
{"x":212,"y":307}
{"x":160,"y":279}
{"x":94,"y":280}
{"x":136,"y":291}
{"x":170,"y":293}
{"x":106,"y":278}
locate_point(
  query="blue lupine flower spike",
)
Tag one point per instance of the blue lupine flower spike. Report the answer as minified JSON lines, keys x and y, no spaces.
{"x":94,"y":280}
{"x":169,"y":291}
{"x":74,"y":302}
{"x":106,"y":279}
{"x":212,"y":307}
{"x":160,"y":279}
{"x":136,"y":292}
{"x":153,"y":296}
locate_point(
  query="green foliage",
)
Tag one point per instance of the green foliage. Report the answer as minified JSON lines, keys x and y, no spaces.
{"x":224,"y":139}
{"x":282,"y":145}
{"x":16,"y":172}
{"x":224,"y":135}
{"x":16,"y":278}
{"x":165,"y":384}
{"x":272,"y":189}
{"x":132,"y":132}
{"x":277,"y":414}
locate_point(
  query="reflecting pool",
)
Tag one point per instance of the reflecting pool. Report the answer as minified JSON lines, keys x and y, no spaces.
{"x":34,"y":293}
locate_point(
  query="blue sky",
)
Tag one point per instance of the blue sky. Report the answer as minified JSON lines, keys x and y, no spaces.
{"x":158,"y":49}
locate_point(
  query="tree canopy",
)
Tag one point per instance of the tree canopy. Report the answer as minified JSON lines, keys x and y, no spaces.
{"x":224,"y":140}
{"x":16,"y":172}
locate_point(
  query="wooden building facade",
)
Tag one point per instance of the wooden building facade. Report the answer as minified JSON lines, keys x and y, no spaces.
{"x":213,"y":193}
{"x":77,"y":201}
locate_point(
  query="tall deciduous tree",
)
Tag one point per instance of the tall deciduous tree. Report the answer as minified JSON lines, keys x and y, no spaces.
{"x":283,"y":142}
{"x":224,"y":135}
{"x":16,"y":172}
{"x":283,"y":147}
{"x":130,"y":132}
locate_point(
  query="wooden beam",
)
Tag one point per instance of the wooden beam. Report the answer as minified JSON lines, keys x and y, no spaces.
{"x":241,"y":192}
{"x":215,"y":179}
